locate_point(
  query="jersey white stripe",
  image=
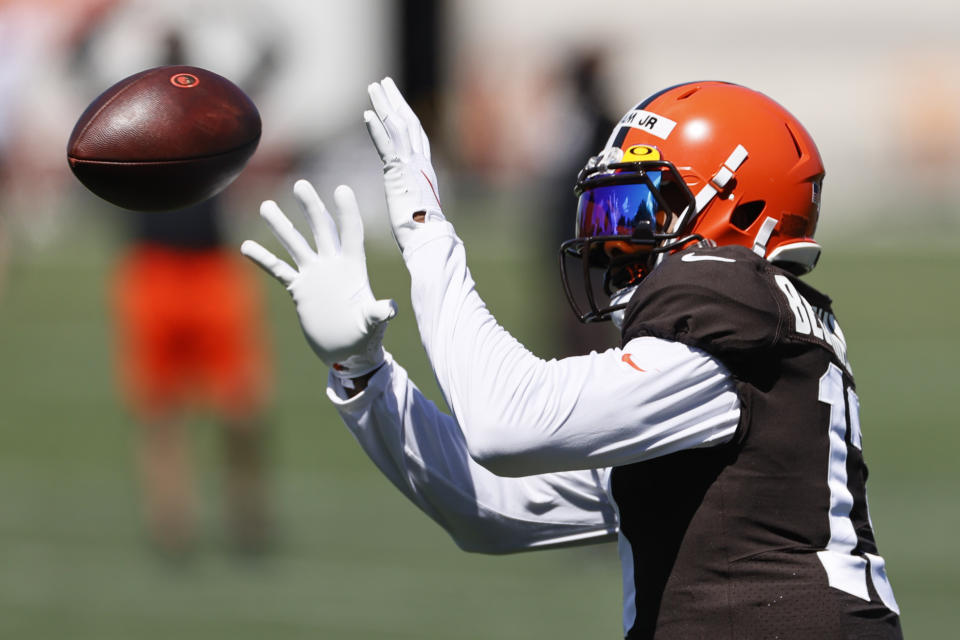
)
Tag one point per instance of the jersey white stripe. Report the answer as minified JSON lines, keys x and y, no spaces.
{"x":878,"y":574}
{"x":846,"y":572}
{"x":629,"y":586}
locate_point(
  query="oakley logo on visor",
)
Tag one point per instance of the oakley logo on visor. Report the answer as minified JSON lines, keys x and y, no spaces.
{"x":640,"y":153}
{"x":649,"y":122}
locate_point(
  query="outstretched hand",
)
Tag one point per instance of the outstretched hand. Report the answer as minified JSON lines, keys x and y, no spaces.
{"x":410,"y":181}
{"x":342,"y":321}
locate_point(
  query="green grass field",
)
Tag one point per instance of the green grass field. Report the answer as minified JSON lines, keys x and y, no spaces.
{"x":354,"y":560}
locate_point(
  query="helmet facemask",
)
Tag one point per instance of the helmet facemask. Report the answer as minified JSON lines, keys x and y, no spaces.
{"x":629,"y":215}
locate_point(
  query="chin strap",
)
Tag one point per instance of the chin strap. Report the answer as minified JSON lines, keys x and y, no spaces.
{"x":763,"y":236}
{"x":721,"y":177}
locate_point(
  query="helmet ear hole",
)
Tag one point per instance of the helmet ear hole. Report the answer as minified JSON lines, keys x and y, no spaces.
{"x":746,"y":214}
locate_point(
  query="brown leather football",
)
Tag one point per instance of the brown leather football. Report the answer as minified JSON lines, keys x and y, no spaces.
{"x":164,"y":138}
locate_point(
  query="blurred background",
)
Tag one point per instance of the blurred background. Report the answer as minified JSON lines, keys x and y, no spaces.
{"x":514,"y":96}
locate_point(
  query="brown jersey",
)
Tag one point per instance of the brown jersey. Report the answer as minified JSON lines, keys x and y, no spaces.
{"x":767,"y":536}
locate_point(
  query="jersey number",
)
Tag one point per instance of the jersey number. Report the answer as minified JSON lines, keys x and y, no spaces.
{"x":845,"y":569}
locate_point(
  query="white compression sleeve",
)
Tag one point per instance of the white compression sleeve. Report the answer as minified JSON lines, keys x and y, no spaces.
{"x":422,"y":452}
{"x":521,"y":415}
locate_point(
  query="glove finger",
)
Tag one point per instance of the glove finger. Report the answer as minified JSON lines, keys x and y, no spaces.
{"x":380,"y":137}
{"x":425,"y":144}
{"x":268,"y":262}
{"x":350,"y":223}
{"x":286,"y":233}
{"x":379,"y":100}
{"x":402,"y":108}
{"x":379,"y":311}
{"x":322,"y":225}
{"x":390,"y":119}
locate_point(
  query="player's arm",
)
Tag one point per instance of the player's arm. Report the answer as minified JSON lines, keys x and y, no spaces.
{"x":521,"y":415}
{"x":419,"y":448}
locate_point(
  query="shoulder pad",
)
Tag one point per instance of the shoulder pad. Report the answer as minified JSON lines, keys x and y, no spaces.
{"x":718,"y":299}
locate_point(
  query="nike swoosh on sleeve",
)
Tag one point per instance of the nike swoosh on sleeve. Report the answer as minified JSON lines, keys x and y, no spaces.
{"x":692,"y":257}
{"x":626,"y":358}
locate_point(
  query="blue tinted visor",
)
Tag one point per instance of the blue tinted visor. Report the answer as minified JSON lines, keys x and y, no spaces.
{"x":617,"y":209}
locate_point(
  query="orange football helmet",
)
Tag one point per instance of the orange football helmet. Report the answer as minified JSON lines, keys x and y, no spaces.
{"x":701,"y":162}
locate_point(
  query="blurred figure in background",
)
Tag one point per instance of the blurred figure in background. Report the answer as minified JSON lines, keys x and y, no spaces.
{"x":499,"y":152}
{"x":190,"y":332}
{"x":589,"y":123}
{"x":34,"y":36}
{"x":10,"y":71}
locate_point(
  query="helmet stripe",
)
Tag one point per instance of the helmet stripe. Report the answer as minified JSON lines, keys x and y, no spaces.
{"x":620,"y":137}
{"x":646,"y":103}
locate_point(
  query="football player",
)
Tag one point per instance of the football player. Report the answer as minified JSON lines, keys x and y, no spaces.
{"x":719,"y":444}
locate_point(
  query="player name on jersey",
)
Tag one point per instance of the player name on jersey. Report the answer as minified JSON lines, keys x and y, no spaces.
{"x":813,"y":321}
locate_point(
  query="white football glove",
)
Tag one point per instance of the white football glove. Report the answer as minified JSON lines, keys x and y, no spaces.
{"x":341,"y":320}
{"x":409,"y":179}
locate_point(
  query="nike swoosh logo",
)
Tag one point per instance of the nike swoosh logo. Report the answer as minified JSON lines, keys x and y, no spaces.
{"x":692,"y":257}
{"x":626,"y":358}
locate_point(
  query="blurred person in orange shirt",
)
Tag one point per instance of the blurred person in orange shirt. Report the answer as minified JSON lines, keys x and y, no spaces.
{"x":189,"y":332}
{"x":190,"y":335}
